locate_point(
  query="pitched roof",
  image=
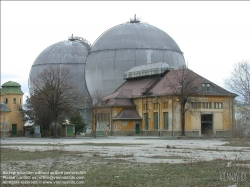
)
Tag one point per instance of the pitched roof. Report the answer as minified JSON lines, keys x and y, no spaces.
{"x":165,"y":85}
{"x":4,"y":108}
{"x":157,"y":85}
{"x":117,"y":102}
{"x":128,"y":114}
{"x":133,"y":87}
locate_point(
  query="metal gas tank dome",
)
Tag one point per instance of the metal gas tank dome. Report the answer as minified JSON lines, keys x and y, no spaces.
{"x":72,"y":51}
{"x":135,"y":36}
{"x":72,"y":54}
{"x":124,"y":46}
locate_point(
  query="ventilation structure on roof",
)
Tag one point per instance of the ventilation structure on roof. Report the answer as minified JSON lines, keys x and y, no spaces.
{"x":147,"y":70}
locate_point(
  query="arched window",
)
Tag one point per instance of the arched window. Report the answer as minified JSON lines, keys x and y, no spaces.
{"x":6,"y":100}
{"x":14,"y":100}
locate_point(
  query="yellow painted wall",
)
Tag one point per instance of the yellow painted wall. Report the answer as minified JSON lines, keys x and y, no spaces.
{"x":15,"y":116}
{"x":125,"y":125}
{"x":4,"y":117}
{"x":222,"y":118}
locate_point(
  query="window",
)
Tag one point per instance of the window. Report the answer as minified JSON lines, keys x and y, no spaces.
{"x":196,"y":105}
{"x":124,"y":123}
{"x":206,"y":105}
{"x":146,"y":121}
{"x":156,"y":120}
{"x":6,"y":101}
{"x":218,"y":105}
{"x":166,"y":120}
{"x":206,"y":87}
{"x":14,"y":100}
{"x":155,"y":106}
{"x":145,"y":106}
{"x":20,"y":101}
{"x":165,"y":104}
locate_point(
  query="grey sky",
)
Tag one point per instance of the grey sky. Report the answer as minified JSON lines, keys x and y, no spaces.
{"x":212,"y":35}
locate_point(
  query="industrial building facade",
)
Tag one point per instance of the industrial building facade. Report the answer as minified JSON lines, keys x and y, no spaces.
{"x":146,"y":105}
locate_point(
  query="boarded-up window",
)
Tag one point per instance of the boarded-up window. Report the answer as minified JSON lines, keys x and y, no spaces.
{"x":156,"y":120}
{"x":146,"y":121}
{"x":166,"y":120}
{"x":196,"y":105}
{"x":206,"y":105}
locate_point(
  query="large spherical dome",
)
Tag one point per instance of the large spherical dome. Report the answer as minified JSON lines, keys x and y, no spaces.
{"x":72,"y":54}
{"x":124,"y":46}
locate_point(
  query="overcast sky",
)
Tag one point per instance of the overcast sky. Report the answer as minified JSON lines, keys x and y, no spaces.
{"x":212,"y":35}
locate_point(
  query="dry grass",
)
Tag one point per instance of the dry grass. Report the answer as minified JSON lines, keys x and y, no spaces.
{"x":119,"y":172}
{"x":238,"y":142}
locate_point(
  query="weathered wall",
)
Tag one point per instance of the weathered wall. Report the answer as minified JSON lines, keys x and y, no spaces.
{"x":15,"y":116}
{"x":222,"y":118}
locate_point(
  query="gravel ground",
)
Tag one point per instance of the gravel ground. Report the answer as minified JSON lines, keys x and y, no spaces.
{"x":137,"y":148}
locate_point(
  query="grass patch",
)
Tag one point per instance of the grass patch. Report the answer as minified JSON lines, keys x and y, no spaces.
{"x":121,"y":173}
{"x":238,"y":143}
{"x":2,"y":145}
{"x":8,"y":154}
{"x":110,"y":144}
{"x":167,"y":157}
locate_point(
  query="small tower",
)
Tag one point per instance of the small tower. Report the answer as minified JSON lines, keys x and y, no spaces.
{"x":12,"y":96}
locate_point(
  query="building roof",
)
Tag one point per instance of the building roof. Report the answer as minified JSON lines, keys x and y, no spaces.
{"x":128,"y":114}
{"x":4,"y":108}
{"x":117,"y":102}
{"x":147,"y":70}
{"x":157,"y":85}
{"x":11,"y":87}
{"x":11,"y":84}
{"x":164,"y":86}
{"x":133,"y":87}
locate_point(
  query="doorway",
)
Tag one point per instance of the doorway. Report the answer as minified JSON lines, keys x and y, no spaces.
{"x":206,"y":123}
{"x":14,"y":130}
{"x":70,"y":131}
{"x":137,"y":128}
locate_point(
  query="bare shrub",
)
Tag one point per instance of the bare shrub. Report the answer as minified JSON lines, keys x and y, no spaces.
{"x":237,"y":131}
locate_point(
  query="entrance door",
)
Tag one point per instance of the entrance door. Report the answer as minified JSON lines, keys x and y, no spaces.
{"x":206,"y":123}
{"x":70,"y":131}
{"x":14,"y":128}
{"x":137,"y":128}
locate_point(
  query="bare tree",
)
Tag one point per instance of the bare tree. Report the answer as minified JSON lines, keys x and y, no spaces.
{"x":36,"y":111}
{"x":184,"y":83}
{"x":96,"y":102}
{"x":239,"y":81}
{"x":55,"y":93}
